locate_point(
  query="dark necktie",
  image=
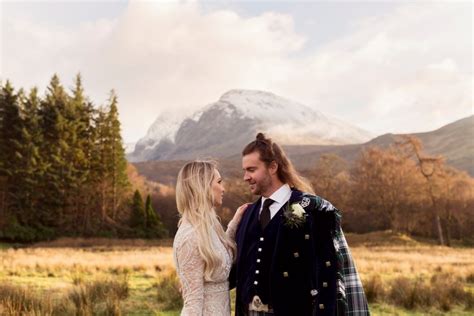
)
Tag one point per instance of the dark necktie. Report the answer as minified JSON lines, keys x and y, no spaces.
{"x":265,"y":214}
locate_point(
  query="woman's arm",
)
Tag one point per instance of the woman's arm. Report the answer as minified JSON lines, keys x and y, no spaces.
{"x":234,"y":223}
{"x":190,"y":268}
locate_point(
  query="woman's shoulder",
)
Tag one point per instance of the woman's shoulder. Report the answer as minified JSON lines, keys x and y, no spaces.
{"x":186,"y":235}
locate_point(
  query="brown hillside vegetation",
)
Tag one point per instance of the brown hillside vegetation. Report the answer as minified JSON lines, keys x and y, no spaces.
{"x":383,"y":189}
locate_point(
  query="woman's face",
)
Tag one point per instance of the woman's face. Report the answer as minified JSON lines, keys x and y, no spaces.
{"x":217,"y":188}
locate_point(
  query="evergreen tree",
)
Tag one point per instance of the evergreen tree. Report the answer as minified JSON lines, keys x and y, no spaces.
{"x":154,"y":225}
{"x":30,"y":164}
{"x":63,"y":167}
{"x":10,"y":148}
{"x":81,"y":143}
{"x":54,"y":149}
{"x":116,"y":154}
{"x":110,"y":166}
{"x":138,"y":215}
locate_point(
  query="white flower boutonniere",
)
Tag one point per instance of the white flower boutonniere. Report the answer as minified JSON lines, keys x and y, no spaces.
{"x":295,"y":215}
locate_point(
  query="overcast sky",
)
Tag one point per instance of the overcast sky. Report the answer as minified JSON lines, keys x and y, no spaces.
{"x":385,"y":66}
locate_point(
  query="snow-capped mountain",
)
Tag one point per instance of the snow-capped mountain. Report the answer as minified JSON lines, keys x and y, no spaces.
{"x":129,"y":148}
{"x":222,"y":128}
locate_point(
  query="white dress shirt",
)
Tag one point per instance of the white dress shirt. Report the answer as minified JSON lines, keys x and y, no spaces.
{"x":280,"y":197}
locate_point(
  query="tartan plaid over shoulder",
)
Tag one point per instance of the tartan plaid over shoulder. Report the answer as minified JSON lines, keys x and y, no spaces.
{"x":351,"y":299}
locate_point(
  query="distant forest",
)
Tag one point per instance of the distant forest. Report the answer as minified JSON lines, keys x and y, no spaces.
{"x":398,"y":188}
{"x":63,"y":172}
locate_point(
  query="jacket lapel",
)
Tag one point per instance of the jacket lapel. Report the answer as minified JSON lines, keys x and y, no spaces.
{"x":295,"y":197}
{"x":242,"y":230}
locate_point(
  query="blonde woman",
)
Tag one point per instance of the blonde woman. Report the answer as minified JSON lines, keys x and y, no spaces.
{"x":203,"y":252}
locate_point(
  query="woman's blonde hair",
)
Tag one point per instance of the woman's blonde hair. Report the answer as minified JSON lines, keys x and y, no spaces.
{"x":194,"y":198}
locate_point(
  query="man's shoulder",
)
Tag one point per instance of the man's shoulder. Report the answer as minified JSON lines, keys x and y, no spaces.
{"x":313,"y":202}
{"x":324,"y":214}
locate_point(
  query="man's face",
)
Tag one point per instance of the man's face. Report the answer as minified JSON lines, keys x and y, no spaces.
{"x":256,"y":173}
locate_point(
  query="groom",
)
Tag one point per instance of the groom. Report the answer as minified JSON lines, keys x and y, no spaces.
{"x":292,"y":257}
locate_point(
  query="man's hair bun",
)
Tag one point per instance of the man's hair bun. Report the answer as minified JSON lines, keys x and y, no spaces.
{"x":261,"y":137}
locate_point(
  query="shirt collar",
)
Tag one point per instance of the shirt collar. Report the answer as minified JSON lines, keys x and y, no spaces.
{"x":281,"y":195}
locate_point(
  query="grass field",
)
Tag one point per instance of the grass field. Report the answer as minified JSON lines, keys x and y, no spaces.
{"x":134,"y":277}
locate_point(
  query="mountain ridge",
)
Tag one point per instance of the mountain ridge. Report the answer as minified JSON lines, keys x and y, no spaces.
{"x":217,"y":128}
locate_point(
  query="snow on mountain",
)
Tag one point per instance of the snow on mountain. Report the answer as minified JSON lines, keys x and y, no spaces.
{"x":129,"y":148}
{"x":220,"y":129}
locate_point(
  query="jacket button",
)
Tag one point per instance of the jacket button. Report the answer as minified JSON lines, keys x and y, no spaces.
{"x":261,"y":239}
{"x":285,"y":274}
{"x":255,"y":282}
{"x":258,"y":260}
{"x":257,"y":272}
{"x":314,"y":292}
{"x":325,"y":284}
{"x":328,"y":263}
{"x":321,"y":306}
{"x":260,"y":250}
{"x":306,"y":236}
{"x":296,"y":255}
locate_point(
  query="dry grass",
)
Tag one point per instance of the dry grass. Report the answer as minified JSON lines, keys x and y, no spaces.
{"x":87,"y":296}
{"x":168,"y":291}
{"x":73,"y":261}
{"x":391,"y":262}
{"x":103,"y":243}
{"x":391,"y":274}
{"x":414,"y":275}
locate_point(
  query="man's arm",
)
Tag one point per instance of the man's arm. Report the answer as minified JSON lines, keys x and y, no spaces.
{"x":351,"y":299}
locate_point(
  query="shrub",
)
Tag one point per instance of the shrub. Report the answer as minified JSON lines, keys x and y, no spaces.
{"x":168,"y":290}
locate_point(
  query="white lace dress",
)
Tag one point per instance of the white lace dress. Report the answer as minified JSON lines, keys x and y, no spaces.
{"x":200,"y":296}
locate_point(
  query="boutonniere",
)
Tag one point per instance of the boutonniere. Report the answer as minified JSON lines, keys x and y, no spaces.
{"x":295,"y":215}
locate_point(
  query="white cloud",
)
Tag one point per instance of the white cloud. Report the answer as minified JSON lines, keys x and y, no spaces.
{"x":409,"y":70}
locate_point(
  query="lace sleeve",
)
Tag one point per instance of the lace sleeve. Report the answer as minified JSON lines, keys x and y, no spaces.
{"x":191,"y":273}
{"x":232,"y":229}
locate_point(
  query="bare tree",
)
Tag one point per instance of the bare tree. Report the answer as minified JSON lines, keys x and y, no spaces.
{"x":429,"y":167}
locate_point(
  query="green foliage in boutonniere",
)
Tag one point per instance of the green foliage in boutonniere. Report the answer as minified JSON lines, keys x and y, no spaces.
{"x":294,"y":214}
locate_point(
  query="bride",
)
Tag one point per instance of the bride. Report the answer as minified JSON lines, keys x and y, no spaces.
{"x":203,"y":252}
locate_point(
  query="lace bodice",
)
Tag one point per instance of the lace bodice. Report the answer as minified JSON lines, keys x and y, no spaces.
{"x":202,"y":297}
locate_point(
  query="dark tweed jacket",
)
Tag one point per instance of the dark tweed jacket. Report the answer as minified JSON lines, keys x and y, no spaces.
{"x":312,"y":271}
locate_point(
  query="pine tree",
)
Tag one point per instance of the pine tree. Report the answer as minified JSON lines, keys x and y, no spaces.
{"x":138,"y":215}
{"x":10,"y":147}
{"x":154,"y":225}
{"x":111,"y":171}
{"x":30,"y":164}
{"x":54,"y":149}
{"x":118,"y":162}
{"x":80,"y":155}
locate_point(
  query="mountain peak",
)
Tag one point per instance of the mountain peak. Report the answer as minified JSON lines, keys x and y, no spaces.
{"x":246,"y":93}
{"x":229,"y":123}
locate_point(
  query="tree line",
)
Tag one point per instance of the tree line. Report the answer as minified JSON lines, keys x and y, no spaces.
{"x":399,"y":188}
{"x":63,"y":170}
{"x":402,"y":189}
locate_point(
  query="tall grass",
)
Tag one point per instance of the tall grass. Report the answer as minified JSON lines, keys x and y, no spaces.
{"x":441,"y":291}
{"x":88,"y":297}
{"x":97,"y":297}
{"x":168,"y":291}
{"x":16,"y":300}
{"x":140,"y":279}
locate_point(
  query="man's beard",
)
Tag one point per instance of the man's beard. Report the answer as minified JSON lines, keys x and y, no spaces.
{"x":263,"y":185}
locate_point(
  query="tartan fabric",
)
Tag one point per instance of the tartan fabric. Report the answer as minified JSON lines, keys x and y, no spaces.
{"x":351,"y":298}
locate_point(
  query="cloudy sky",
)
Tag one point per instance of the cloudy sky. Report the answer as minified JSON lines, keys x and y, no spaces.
{"x":385,"y":66}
